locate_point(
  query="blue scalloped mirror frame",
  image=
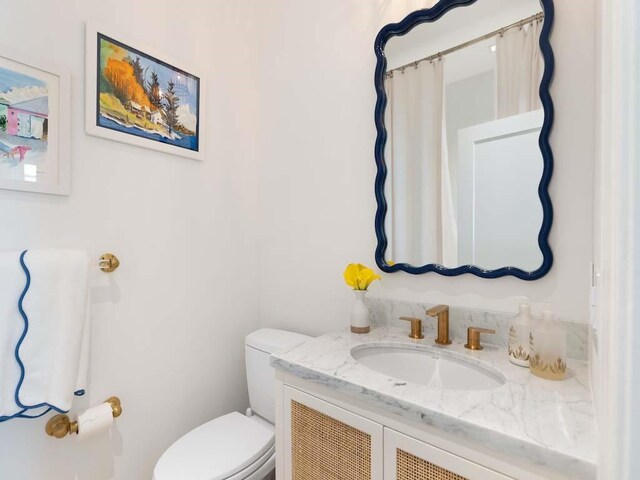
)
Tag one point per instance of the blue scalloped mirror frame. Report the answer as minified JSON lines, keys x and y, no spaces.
{"x":397,"y":29}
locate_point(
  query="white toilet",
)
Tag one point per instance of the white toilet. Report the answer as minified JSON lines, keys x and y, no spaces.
{"x":235,"y":446}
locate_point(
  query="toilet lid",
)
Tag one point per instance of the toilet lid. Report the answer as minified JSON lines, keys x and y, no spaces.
{"x":216,"y":450}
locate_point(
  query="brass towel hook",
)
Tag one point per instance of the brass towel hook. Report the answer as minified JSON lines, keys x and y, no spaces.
{"x":60,"y":426}
{"x":108,"y":263}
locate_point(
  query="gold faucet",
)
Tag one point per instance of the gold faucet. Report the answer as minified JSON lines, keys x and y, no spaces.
{"x":442,"y":313}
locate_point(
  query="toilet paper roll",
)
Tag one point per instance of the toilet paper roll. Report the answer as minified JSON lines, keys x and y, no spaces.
{"x":94,"y":421}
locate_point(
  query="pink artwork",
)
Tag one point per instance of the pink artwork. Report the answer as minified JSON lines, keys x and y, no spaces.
{"x":34,"y":128}
{"x":24,"y":116}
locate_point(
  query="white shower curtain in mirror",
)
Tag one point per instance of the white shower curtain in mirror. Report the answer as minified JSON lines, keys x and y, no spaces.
{"x":421,"y":206}
{"x":520,"y":68}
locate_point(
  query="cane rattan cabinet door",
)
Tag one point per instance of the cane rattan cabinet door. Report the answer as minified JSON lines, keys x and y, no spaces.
{"x":406,"y":458}
{"x":325,"y":442}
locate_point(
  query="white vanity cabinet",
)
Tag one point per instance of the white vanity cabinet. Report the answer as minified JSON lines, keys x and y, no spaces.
{"x":318,"y":440}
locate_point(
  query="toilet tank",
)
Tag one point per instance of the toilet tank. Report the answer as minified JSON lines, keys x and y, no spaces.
{"x":258,"y":347}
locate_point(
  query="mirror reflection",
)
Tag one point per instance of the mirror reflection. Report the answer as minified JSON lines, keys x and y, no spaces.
{"x":463,"y":119}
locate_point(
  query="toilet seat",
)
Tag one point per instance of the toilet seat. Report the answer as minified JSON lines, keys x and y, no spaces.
{"x":259,"y":469}
{"x":231,"y":447}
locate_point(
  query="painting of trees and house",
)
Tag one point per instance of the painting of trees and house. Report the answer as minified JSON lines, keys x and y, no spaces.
{"x":143,"y":96}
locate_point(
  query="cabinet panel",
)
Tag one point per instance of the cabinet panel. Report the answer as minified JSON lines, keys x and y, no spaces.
{"x":411,"y":467}
{"x":406,"y":458}
{"x":325,"y":442}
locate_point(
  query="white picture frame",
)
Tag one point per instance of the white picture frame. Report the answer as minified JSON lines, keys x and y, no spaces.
{"x":35,"y":133}
{"x":118,"y":118}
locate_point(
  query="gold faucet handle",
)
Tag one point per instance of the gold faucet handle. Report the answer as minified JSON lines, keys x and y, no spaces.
{"x":416,"y":327}
{"x":473,"y":337}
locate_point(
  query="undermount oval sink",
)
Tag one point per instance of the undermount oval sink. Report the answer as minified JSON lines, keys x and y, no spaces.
{"x":428,"y":367}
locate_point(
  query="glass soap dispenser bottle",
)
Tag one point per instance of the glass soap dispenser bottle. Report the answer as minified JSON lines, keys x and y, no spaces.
{"x":548,"y":348}
{"x":519,"y":333}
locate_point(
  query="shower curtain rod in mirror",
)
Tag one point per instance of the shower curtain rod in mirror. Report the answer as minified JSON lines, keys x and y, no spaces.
{"x":500,"y":31}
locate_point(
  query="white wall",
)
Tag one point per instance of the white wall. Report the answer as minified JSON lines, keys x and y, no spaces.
{"x":470,"y":101}
{"x":169,"y":325}
{"x":317,"y":166}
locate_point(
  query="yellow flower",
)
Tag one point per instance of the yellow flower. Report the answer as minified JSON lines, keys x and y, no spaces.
{"x":359,"y":277}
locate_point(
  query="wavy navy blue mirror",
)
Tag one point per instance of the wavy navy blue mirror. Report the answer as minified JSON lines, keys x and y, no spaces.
{"x":463,"y":118}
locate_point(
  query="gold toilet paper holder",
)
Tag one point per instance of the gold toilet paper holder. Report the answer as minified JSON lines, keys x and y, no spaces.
{"x":60,"y":426}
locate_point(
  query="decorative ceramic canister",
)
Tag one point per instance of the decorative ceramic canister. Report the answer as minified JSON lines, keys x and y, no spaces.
{"x":548,"y":349}
{"x":519,"y":333}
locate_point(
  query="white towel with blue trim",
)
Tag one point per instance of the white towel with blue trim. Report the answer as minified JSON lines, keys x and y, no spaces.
{"x":44,"y":331}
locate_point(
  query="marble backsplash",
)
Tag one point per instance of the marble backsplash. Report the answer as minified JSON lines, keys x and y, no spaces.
{"x":386,"y":312}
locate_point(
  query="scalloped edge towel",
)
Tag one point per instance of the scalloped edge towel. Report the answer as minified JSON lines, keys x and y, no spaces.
{"x":44,"y":331}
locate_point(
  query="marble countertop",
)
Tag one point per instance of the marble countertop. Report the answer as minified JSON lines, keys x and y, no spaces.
{"x":550,"y":423}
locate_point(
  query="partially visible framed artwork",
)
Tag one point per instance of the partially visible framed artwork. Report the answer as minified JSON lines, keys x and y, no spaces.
{"x":137,"y":96}
{"x":34,"y":126}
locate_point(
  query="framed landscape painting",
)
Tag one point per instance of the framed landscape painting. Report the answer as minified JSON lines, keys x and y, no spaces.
{"x":34,"y":127}
{"x":142,"y":98}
